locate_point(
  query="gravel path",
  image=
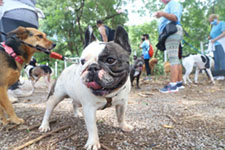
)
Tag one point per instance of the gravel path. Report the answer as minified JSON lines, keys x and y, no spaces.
{"x":192,"y":119}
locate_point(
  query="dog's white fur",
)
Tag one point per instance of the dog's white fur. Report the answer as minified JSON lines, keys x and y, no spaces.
{"x":195,"y":60}
{"x":70,"y":84}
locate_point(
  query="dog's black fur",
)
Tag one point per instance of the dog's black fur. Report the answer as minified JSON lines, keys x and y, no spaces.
{"x":136,"y":67}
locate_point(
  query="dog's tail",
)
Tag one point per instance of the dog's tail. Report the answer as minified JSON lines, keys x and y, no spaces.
{"x":51,"y":91}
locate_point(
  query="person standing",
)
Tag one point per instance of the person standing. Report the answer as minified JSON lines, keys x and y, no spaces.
{"x":145,"y":44}
{"x":216,"y":35}
{"x":106,"y":33}
{"x":172,"y":13}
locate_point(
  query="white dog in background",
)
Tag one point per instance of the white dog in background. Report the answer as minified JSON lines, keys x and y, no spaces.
{"x":201,"y":62}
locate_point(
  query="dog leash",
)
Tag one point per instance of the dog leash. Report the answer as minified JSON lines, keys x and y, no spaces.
{"x":51,"y":54}
{"x":185,"y":42}
{"x":38,"y":48}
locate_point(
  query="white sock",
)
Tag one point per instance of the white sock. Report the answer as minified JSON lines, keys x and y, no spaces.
{"x":173,"y":83}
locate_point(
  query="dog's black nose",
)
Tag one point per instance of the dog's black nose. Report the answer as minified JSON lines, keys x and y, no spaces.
{"x":94,"y":67}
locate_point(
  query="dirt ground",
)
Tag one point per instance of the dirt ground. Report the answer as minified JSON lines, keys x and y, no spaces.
{"x":192,"y":119}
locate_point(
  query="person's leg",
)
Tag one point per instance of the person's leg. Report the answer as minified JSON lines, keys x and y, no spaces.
{"x":172,"y":46}
{"x":216,"y":59}
{"x":221,"y":55}
{"x":174,"y":76}
{"x":180,"y":74}
{"x":147,"y":68}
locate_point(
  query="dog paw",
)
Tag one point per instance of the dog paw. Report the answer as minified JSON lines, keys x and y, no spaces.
{"x":17,"y":120}
{"x":4,"y":122}
{"x":126,"y":127}
{"x":92,"y":145}
{"x":44,"y":128}
{"x":77,"y":114}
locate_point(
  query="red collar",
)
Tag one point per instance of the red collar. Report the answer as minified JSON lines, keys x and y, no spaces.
{"x":10,"y":51}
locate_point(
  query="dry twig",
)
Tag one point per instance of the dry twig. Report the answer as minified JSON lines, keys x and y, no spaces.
{"x":40,"y":138}
{"x":66,"y":137}
{"x":170,"y":117}
{"x":105,"y":147}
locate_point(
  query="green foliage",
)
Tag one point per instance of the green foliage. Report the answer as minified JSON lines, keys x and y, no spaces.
{"x":66,"y":21}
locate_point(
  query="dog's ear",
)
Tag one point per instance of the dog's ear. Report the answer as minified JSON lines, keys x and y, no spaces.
{"x":89,"y":36}
{"x":121,"y":38}
{"x":20,"y":32}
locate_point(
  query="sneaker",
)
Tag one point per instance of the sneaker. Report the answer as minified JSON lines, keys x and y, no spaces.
{"x":219,"y":78}
{"x":147,"y":78}
{"x":180,"y":85}
{"x":169,"y":89}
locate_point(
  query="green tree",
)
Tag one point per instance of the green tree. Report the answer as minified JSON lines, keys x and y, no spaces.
{"x":66,"y":21}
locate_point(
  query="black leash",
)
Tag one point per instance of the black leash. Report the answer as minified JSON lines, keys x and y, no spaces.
{"x":36,"y":47}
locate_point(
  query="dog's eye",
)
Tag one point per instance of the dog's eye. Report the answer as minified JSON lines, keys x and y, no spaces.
{"x":110,"y":60}
{"x":82,"y":61}
{"x":40,"y":36}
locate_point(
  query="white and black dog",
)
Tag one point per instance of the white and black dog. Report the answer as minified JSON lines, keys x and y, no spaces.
{"x":202,"y":62}
{"x":34,"y":73}
{"x":100,"y":80}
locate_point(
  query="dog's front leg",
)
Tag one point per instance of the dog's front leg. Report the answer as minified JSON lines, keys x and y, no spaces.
{"x":50,"y":105}
{"x":120,"y":112}
{"x":196,"y":74}
{"x":210,"y":75}
{"x":90,"y":121}
{"x":2,"y":115}
{"x":7,"y":106}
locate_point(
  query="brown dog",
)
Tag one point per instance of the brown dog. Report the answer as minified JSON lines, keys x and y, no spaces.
{"x":166,"y":66}
{"x":24,"y":42}
{"x":152,"y":63}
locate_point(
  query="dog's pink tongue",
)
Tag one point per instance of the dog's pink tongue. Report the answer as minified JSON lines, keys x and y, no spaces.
{"x":93,"y":85}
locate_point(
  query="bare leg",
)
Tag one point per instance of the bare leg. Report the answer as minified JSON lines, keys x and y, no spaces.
{"x":174,"y":73}
{"x":180,"y":74}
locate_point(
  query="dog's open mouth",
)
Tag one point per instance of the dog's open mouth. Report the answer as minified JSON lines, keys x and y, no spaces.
{"x":93,"y":85}
{"x":97,"y":89}
{"x":45,"y":50}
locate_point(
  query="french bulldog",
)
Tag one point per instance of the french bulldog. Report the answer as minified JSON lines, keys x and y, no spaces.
{"x":136,"y":70}
{"x":100,"y":80}
{"x":202,"y":62}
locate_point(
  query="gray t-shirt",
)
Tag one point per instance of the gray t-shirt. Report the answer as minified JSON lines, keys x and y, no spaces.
{"x":22,"y":14}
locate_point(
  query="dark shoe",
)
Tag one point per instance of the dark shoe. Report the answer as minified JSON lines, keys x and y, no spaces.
{"x":169,"y":89}
{"x":180,"y":85}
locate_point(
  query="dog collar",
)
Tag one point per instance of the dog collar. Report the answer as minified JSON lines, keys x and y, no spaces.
{"x":10,"y":51}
